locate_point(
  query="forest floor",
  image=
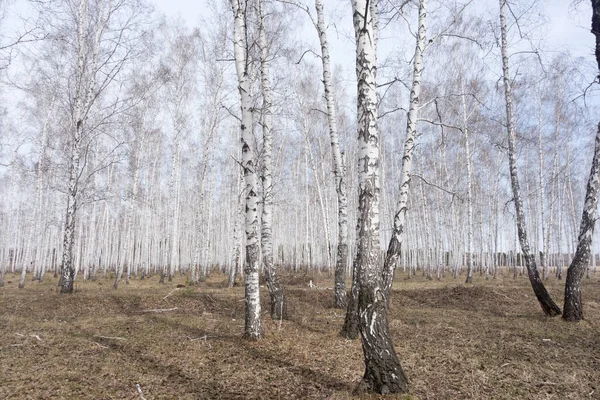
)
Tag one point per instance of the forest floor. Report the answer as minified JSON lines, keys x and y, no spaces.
{"x":488,"y":340}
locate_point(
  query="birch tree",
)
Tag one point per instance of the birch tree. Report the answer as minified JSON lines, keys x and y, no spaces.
{"x":85,"y":86}
{"x":548,"y":306}
{"x":383,"y":373}
{"x":573,"y":307}
{"x":253,"y":324}
{"x":398,"y":229}
{"x":278,"y":304}
{"x":338,"y":161}
{"x":90,"y":43}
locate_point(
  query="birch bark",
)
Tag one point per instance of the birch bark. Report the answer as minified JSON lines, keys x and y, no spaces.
{"x":276,"y":293}
{"x":548,"y":306}
{"x":395,"y":245}
{"x":338,"y":163}
{"x":573,"y":307}
{"x":383,"y":373}
{"x":253,"y":324}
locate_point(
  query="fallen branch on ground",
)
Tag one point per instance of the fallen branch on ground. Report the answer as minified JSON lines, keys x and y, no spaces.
{"x":160,"y":310}
{"x":139,"y":390}
{"x":170,"y":293}
{"x":503,"y":295}
{"x":110,"y":337}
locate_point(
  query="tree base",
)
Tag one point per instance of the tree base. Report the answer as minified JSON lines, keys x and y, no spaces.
{"x":383,"y":372}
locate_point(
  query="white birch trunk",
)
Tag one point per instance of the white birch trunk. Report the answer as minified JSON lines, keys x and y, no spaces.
{"x":469,"y":189}
{"x":253,"y":324}
{"x":546,"y":302}
{"x":383,"y":373}
{"x":395,"y":245}
{"x":276,"y":293}
{"x":338,"y":162}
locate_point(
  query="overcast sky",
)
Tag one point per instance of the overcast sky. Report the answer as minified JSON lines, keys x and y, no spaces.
{"x":568,"y":28}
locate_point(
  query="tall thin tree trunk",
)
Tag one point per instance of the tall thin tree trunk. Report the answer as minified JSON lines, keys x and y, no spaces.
{"x":548,"y":306}
{"x":253,"y":324}
{"x":395,"y":245}
{"x":339,"y":171}
{"x":465,"y":128}
{"x":276,"y":293}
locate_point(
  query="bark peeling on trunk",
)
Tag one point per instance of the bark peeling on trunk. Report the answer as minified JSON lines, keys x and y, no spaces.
{"x":378,"y":349}
{"x":383,"y":372}
{"x":548,"y":305}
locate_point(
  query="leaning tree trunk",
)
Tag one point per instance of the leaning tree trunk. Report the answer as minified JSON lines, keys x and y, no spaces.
{"x":573,"y":308}
{"x":253,"y":324}
{"x":276,"y":293}
{"x":395,"y":245}
{"x":548,"y":306}
{"x":383,"y":372}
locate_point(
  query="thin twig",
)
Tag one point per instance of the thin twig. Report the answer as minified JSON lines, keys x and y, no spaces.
{"x":210,"y":298}
{"x":503,"y":295}
{"x":170,"y":293}
{"x":436,"y":186}
{"x":139,"y":390}
{"x":35,"y":336}
{"x":110,"y":337}
{"x":160,"y":310}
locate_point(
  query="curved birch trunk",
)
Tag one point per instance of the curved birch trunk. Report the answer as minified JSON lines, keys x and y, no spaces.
{"x":383,"y":372}
{"x":395,"y":245}
{"x":253,"y":324}
{"x":573,"y":307}
{"x":276,"y":293}
{"x":548,"y":306}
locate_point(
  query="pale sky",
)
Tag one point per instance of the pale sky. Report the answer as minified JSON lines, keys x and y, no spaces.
{"x":568,"y":28}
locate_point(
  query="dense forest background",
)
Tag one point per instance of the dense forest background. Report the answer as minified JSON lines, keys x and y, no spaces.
{"x":158,"y":177}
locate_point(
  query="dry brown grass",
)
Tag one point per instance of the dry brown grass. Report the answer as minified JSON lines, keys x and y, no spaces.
{"x":488,"y":340}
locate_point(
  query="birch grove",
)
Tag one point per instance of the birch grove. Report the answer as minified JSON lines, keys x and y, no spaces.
{"x":138,"y":146}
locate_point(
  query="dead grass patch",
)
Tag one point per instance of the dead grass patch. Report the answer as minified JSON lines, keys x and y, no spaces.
{"x":488,"y":340}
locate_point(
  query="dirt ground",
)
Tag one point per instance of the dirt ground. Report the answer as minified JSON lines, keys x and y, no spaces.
{"x":488,"y":340}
